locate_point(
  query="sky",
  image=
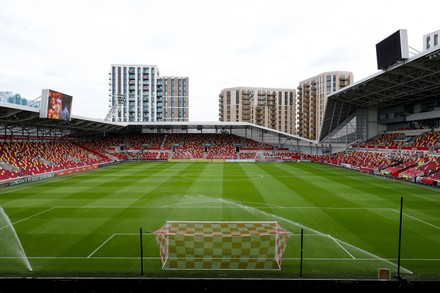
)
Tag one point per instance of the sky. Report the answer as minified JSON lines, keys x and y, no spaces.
{"x":69,"y":45}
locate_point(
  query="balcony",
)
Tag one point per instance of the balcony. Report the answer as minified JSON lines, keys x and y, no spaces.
{"x":343,"y":83}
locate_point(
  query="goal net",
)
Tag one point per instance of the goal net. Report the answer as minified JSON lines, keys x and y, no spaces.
{"x":222,"y":245}
{"x":278,"y":159}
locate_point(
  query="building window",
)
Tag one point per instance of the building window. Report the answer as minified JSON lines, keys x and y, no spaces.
{"x":328,"y":84}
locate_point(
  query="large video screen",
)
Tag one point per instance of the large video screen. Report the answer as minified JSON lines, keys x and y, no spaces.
{"x":392,"y":49}
{"x":55,"y":105}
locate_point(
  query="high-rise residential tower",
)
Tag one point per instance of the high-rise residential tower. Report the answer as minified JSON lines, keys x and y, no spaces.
{"x":175,"y":98}
{"x":270,"y":107}
{"x":311,"y":98}
{"x":137,"y":93}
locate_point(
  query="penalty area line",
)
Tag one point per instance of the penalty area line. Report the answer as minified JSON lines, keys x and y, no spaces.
{"x":110,"y":238}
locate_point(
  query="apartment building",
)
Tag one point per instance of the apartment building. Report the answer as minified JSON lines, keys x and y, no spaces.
{"x":269,"y":107}
{"x":137,"y":93}
{"x":311,"y":98}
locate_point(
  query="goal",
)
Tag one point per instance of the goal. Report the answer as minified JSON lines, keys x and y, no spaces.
{"x":278,"y":159}
{"x":189,"y":245}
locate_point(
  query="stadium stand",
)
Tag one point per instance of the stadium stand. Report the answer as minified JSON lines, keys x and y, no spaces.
{"x":410,"y":162}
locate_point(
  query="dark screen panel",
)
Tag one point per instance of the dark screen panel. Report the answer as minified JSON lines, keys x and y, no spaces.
{"x":389,"y":51}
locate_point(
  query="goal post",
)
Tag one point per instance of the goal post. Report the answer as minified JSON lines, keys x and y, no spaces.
{"x":192,"y":245}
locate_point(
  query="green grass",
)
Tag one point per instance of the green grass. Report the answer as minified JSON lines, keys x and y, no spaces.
{"x":88,"y":224}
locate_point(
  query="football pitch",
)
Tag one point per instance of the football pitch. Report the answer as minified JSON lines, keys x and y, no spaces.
{"x":345,"y":224}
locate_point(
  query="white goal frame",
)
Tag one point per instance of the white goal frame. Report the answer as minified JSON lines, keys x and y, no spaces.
{"x":221,"y":245}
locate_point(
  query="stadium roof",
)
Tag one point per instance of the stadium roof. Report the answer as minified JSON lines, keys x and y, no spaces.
{"x":414,"y":79}
{"x":245,"y":129}
{"x":23,"y":121}
{"x":27,"y":120}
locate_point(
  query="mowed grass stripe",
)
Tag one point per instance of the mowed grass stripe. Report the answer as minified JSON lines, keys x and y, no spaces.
{"x":388,"y":194}
{"x":241,"y":185}
{"x":95,"y":225}
{"x":341,"y":221}
{"x":141,"y":194}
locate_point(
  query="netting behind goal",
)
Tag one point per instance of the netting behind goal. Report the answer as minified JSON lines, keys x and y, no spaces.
{"x":222,"y":245}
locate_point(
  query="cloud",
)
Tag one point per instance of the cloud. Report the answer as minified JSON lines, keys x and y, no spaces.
{"x":70,"y":45}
